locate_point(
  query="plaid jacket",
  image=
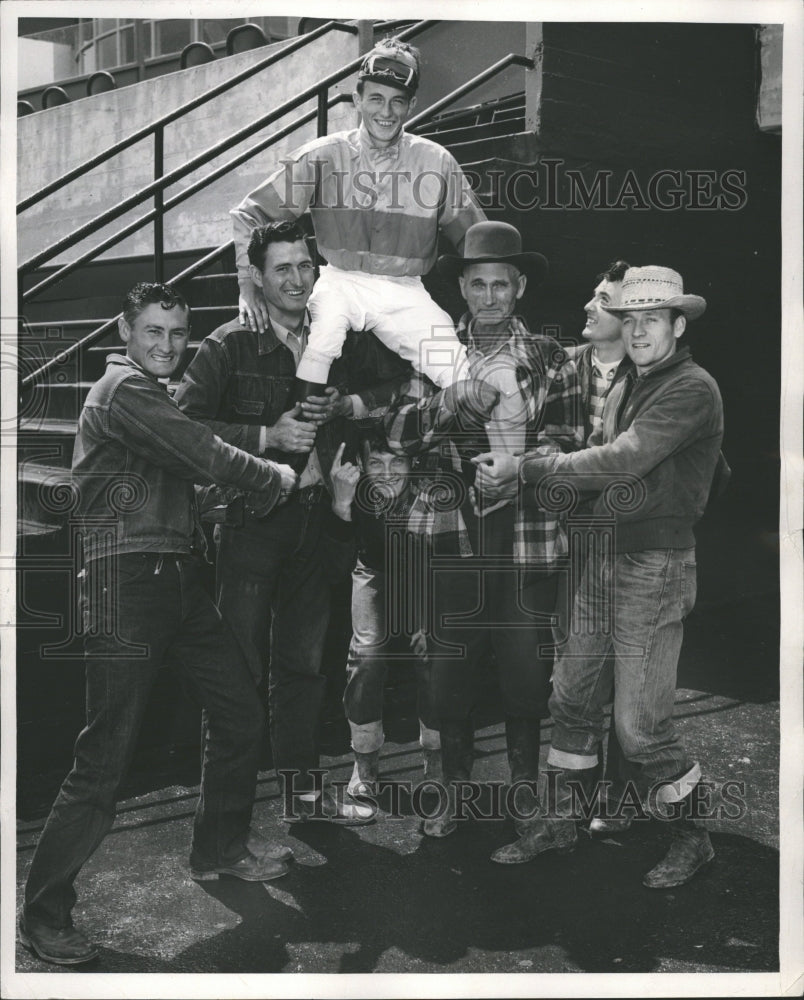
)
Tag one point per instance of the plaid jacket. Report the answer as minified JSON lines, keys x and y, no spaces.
{"x":427,"y":423}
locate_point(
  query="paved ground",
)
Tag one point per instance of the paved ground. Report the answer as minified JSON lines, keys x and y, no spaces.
{"x":383,"y":899}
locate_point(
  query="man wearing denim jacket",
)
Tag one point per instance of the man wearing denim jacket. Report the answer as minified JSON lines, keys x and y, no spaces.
{"x":135,"y":462}
{"x":274,"y":574}
{"x":663,"y":452}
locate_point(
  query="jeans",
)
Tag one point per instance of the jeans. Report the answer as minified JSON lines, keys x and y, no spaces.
{"x":633,"y":604}
{"x":142,"y":611}
{"x":499,"y":606}
{"x":273,"y":593}
{"x":367,"y":666}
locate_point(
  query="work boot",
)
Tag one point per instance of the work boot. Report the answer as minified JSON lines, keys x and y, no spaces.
{"x":538,"y":835}
{"x":262,"y":847}
{"x":365,"y":775}
{"x":59,"y":945}
{"x":457,"y":756}
{"x":249,"y":869}
{"x":690,"y":850}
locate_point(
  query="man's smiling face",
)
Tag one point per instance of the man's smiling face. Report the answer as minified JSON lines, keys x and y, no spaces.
{"x":650,"y":336}
{"x":601,"y":326}
{"x":287,"y":279}
{"x":157,"y":338}
{"x":384,"y":111}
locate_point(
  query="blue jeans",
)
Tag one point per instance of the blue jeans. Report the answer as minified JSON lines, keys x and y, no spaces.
{"x":367,"y":665}
{"x":131,"y":630}
{"x":632,"y":604}
{"x":274,"y":595}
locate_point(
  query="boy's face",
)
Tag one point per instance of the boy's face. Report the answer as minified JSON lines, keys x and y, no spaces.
{"x":388,"y":473}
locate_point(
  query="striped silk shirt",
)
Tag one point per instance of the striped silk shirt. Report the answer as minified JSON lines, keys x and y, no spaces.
{"x":374,"y":209}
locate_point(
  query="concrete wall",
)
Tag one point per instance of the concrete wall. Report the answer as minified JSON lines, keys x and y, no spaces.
{"x":54,"y":141}
{"x":41,"y":62}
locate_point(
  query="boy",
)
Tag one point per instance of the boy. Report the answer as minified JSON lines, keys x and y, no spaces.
{"x":387,"y":599}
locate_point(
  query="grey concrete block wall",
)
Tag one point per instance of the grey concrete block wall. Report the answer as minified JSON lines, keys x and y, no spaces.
{"x":52,"y":142}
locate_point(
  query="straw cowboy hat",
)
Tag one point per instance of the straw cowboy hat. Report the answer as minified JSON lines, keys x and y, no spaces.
{"x":655,"y":287}
{"x":493,"y":243}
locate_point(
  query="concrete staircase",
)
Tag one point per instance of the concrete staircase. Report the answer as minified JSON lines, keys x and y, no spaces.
{"x":85,"y":300}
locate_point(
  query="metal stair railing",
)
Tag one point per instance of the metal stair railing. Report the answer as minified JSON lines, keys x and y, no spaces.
{"x":179,"y":112}
{"x":512,"y":59}
{"x":317,"y":90}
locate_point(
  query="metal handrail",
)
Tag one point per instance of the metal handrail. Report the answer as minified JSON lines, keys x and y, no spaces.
{"x":199,"y":161}
{"x":156,"y":213}
{"x":510,"y":60}
{"x":417,"y":120}
{"x":172,"y":116}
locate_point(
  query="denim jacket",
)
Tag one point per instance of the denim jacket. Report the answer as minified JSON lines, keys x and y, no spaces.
{"x":239,"y":381}
{"x":136,"y":459}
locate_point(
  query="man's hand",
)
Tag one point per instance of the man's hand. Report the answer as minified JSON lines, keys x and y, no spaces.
{"x":290,"y":434}
{"x":344,"y":477}
{"x":321,"y":409}
{"x":252,"y":308}
{"x":259,"y":505}
{"x":497,"y":476}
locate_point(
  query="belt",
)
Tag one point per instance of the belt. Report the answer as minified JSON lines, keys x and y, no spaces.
{"x":308,"y":496}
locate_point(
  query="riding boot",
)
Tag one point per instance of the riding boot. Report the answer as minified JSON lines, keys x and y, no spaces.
{"x":457,"y":756}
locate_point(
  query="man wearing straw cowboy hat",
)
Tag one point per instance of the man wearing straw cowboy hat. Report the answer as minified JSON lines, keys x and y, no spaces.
{"x":500,"y":591}
{"x":664,"y":439}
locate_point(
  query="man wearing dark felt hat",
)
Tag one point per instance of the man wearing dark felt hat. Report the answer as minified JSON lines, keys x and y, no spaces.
{"x":496,"y":588}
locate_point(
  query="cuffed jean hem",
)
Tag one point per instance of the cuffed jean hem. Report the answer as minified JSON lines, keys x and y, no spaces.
{"x":668,"y":791}
{"x":367,"y":737}
{"x":571,"y":761}
{"x":429,"y":739}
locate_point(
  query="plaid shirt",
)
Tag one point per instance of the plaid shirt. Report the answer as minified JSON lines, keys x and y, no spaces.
{"x":422,"y":422}
{"x":595,"y":388}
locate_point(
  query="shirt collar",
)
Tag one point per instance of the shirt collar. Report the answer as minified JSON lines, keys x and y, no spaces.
{"x":464,"y":331}
{"x":378,"y":153}
{"x":268,"y":339}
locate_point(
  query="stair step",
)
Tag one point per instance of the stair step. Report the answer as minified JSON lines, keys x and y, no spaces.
{"x":44,"y":497}
{"x":470,"y":132}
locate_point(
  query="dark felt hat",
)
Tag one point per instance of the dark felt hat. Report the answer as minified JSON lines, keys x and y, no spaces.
{"x":492,"y":243}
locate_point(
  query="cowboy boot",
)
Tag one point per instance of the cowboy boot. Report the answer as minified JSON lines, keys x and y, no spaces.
{"x":457,"y":756}
{"x":301,"y":389}
{"x":365,"y":775}
{"x":690,"y":850}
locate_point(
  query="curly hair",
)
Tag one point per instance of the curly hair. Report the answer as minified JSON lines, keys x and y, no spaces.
{"x":146,"y":293}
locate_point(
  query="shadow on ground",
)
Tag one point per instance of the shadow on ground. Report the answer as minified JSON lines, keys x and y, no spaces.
{"x":370,"y":909}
